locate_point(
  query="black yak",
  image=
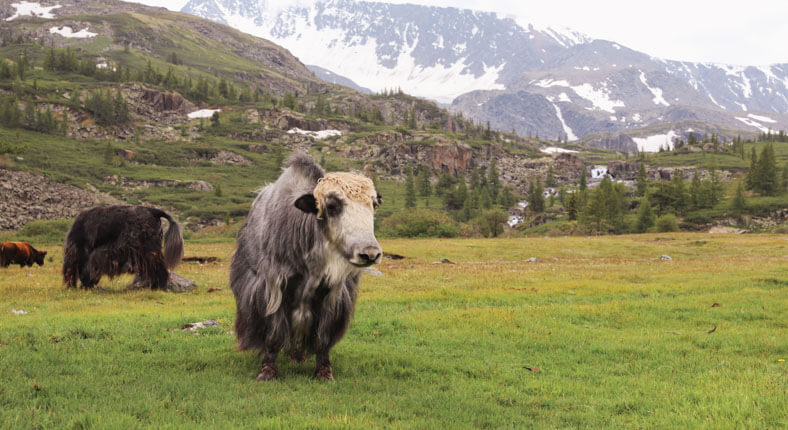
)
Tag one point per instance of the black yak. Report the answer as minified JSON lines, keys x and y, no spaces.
{"x":113,"y":240}
{"x":299,"y":257}
{"x":21,"y":253}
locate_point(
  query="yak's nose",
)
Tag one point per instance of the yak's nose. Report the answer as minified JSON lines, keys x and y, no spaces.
{"x":370,"y":255}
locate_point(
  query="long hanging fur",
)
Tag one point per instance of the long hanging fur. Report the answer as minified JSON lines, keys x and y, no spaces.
{"x":113,"y":240}
{"x":276,"y":267}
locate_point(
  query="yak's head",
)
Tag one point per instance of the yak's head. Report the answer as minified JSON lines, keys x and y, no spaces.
{"x":345,"y":203}
{"x":38,"y":257}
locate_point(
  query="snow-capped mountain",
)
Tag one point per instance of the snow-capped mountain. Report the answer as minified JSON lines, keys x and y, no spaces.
{"x":534,"y":79}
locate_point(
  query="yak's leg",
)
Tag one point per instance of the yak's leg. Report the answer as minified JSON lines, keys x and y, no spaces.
{"x":337,"y":308}
{"x":154,"y":269}
{"x":269,"y":370}
{"x":274,"y":341}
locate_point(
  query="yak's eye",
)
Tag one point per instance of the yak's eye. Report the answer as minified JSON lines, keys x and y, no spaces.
{"x":377,"y":201}
{"x":333,"y":206}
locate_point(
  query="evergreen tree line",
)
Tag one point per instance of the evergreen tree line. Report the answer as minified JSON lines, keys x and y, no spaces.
{"x":108,"y":110}
{"x":30,"y":117}
{"x":463,"y":199}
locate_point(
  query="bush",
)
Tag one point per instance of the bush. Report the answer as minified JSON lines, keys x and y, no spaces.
{"x":45,"y":231}
{"x":667,"y":223}
{"x":490,"y":222}
{"x":419,"y":223}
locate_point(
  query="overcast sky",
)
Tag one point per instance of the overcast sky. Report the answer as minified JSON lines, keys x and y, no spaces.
{"x":751,"y":32}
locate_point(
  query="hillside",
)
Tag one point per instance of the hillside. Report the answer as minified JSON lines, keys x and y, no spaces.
{"x":120,"y":98}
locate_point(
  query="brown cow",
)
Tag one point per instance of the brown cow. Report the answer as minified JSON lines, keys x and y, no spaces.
{"x":21,"y":253}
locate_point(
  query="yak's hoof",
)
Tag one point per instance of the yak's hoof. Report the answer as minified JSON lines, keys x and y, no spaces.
{"x":297,"y":356}
{"x":324,"y":374}
{"x":267,"y":373}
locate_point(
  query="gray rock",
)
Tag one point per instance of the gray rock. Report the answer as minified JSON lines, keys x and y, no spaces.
{"x":665,"y":258}
{"x":176,"y":284}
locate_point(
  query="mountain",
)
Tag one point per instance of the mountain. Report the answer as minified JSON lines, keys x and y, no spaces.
{"x":519,"y":76}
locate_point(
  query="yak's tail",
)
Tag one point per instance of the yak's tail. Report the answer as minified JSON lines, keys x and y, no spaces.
{"x":173,"y":241}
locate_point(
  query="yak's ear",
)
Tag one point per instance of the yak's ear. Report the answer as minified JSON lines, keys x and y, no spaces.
{"x":307,"y":203}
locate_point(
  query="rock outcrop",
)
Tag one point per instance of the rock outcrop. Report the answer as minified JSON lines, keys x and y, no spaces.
{"x":25,"y":197}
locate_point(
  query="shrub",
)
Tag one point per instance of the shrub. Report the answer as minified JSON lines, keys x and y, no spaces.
{"x":667,"y":223}
{"x":45,"y":231}
{"x":490,"y":222}
{"x":419,"y":223}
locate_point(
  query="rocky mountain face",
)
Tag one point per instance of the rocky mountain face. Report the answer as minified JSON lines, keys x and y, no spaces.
{"x":536,"y":80}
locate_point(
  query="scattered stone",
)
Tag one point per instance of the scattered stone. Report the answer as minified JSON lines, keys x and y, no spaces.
{"x":176,"y":283}
{"x":393,"y":256}
{"x":555,"y":259}
{"x":665,"y":258}
{"x":199,"y":325}
{"x":532,"y":260}
{"x":373,"y":271}
{"x":200,"y":186}
{"x":444,"y":261}
{"x":18,"y":312}
{"x":410,"y":266}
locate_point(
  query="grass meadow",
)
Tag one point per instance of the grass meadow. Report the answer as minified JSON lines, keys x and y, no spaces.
{"x":599,"y":333}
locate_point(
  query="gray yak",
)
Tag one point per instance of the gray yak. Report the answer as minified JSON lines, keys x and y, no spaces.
{"x":298,"y":260}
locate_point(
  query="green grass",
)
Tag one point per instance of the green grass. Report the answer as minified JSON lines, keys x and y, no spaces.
{"x":619,"y":336}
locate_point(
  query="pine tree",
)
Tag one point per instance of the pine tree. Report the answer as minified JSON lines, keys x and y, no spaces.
{"x":750,"y":179}
{"x":680,"y":201}
{"x":645,"y":216}
{"x":641,"y":181}
{"x":536,"y":196}
{"x":785,"y":178}
{"x":715,"y":187}
{"x":572,"y":206}
{"x":764,"y":178}
{"x":493,"y":181}
{"x":410,"y":189}
{"x":583,"y":184}
{"x":423,"y":181}
{"x":739,"y":204}
{"x":697,"y":192}
{"x":550,"y":177}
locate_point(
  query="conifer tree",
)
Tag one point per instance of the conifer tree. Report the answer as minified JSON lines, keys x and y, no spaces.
{"x":423,"y":180}
{"x":550,"y":177}
{"x":764,"y":178}
{"x":410,"y":189}
{"x":536,"y":196}
{"x":641,"y":181}
{"x":645,"y":216}
{"x":739,"y":204}
{"x":715,"y":186}
{"x":583,"y":184}
{"x":493,"y":181}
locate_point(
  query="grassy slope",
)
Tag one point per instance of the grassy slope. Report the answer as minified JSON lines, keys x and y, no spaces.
{"x":619,"y":336}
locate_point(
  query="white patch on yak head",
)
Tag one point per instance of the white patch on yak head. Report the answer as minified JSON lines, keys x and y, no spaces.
{"x":346,"y":202}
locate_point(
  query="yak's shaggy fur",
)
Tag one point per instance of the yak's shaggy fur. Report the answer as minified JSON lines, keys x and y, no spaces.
{"x":295,"y":286}
{"x":113,"y":240}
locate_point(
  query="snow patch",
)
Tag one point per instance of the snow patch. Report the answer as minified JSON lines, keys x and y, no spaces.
{"x":600,"y":98}
{"x":752,"y":123}
{"x":32,"y":9}
{"x":657,"y":92}
{"x":203,"y":113}
{"x":761,"y":118}
{"x":556,"y":150}
{"x":514,"y":220}
{"x":67,"y":32}
{"x":319,"y":135}
{"x":570,"y":135}
{"x":653,"y":143}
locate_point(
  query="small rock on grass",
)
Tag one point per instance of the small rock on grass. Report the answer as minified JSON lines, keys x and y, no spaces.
{"x":665,"y":258}
{"x":199,"y":325}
